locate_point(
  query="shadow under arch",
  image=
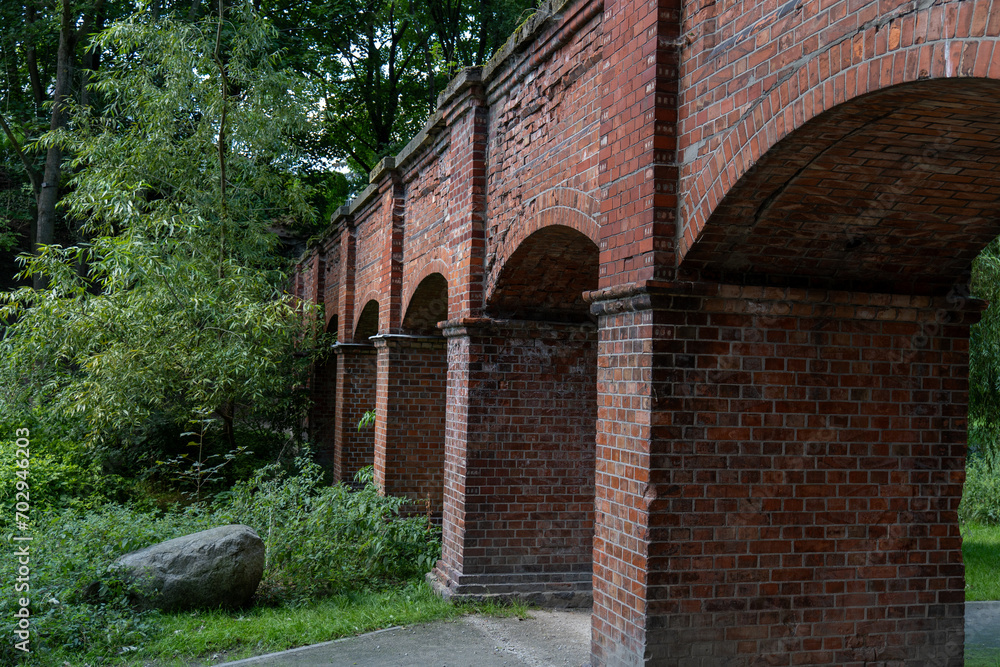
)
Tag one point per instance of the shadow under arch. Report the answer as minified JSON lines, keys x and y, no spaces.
{"x":427,"y":306}
{"x":895,"y":191}
{"x":367,"y":324}
{"x":545,"y":277}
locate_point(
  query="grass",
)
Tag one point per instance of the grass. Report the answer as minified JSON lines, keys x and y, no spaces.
{"x":220,"y":636}
{"x":982,"y":658}
{"x":981,"y":552}
{"x":207,"y":638}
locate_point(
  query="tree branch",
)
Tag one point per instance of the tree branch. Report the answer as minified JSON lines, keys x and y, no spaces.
{"x":33,"y":176}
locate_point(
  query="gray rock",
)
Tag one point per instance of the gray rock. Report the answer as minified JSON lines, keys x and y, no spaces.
{"x":220,"y":567}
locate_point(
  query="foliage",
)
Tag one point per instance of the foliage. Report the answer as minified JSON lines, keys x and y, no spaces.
{"x":72,"y":548}
{"x":60,"y":472}
{"x":322,"y":539}
{"x":198,"y":469}
{"x":367,"y":420}
{"x":984,"y":354}
{"x":378,"y":65}
{"x":174,"y":307}
{"x":981,"y":494}
{"x":319,"y":539}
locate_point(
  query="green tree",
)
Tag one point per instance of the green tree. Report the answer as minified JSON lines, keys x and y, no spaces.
{"x":378,"y":65}
{"x":178,"y":182}
{"x":984,"y":355}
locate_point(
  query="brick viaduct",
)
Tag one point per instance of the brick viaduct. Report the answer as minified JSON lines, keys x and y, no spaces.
{"x":661,"y":308}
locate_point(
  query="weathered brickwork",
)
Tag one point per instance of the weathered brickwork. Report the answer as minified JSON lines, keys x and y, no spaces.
{"x":698,"y":268}
{"x":542,"y":147}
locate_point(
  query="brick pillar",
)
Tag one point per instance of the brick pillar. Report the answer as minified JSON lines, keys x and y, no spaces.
{"x":778,"y":477}
{"x":353,"y":450}
{"x":322,"y":414}
{"x":409,"y":429}
{"x":519,"y":461}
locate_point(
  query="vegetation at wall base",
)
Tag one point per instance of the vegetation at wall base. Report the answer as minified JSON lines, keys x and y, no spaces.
{"x":326,"y":545}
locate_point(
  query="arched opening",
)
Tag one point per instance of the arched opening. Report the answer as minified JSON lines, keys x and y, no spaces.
{"x":545,"y":277}
{"x":412,"y":397}
{"x":894,"y":192}
{"x":529,"y":461}
{"x":427,"y":307}
{"x":367,"y":325}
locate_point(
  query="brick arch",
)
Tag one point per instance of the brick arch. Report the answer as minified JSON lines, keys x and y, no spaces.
{"x":428,"y":306}
{"x":900,"y":54}
{"x":546,"y":275}
{"x":332,"y":323}
{"x":894,"y":191}
{"x":367,"y":322}
{"x":412,"y":282}
{"x":557,"y":206}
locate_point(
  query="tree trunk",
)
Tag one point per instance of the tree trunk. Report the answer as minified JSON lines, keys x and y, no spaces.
{"x":49,"y":195}
{"x":92,"y":58}
{"x":31,"y":60}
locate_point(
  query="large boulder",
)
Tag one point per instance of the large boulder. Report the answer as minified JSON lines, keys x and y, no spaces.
{"x":220,"y":567}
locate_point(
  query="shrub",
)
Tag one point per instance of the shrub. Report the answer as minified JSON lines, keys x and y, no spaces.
{"x":321,"y":539}
{"x":60,"y":472}
{"x":981,"y":495}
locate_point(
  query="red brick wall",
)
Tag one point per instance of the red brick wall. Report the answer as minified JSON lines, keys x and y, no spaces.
{"x":372,"y":236}
{"x":409,"y":430}
{"x":356,"y":372}
{"x":638,"y":140}
{"x":427,"y":235}
{"x":624,"y":416}
{"x":543,"y":122}
{"x":322,"y":414}
{"x":520,"y":453}
{"x":331,"y":283}
{"x":776,"y":472}
{"x":805,"y":462}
